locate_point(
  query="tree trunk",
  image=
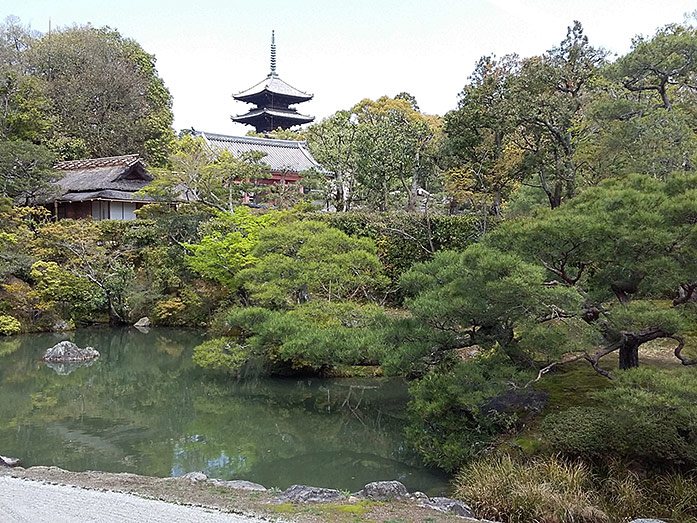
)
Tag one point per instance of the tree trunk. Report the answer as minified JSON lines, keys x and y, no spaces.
{"x":554,"y":197}
{"x":498,"y":202}
{"x":631,"y":341}
{"x":413,"y":189}
{"x":629,"y":353}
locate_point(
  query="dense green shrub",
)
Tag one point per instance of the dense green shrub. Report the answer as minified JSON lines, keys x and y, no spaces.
{"x":315,"y":335}
{"x":9,"y":325}
{"x":649,"y":417}
{"x":226,"y":244}
{"x":307,"y":260}
{"x":109,"y":270}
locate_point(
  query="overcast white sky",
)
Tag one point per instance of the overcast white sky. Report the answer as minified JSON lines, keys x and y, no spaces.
{"x":340,"y":50}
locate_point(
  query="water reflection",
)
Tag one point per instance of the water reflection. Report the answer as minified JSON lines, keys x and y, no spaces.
{"x":63,"y":369}
{"x":144,"y":407}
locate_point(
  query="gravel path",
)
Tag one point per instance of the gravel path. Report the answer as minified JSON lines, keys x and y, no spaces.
{"x":23,"y":501}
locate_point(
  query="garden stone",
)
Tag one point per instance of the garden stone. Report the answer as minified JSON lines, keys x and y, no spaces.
{"x":61,"y":326}
{"x":195,"y":477}
{"x":305,"y":494}
{"x":9,"y":462}
{"x":68,"y":352}
{"x":448,"y":505}
{"x":384,"y":490}
{"x":144,"y":322}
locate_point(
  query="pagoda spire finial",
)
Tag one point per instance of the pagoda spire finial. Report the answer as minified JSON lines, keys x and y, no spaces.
{"x":273,"y":54}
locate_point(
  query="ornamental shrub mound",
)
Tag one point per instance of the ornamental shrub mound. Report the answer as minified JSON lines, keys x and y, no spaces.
{"x":9,"y":325}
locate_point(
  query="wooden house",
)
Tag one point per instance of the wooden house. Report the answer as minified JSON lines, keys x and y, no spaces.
{"x":101,"y":188}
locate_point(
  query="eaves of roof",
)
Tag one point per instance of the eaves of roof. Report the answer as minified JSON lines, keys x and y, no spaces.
{"x":276,"y":113}
{"x":281,"y":155}
{"x":275,"y":86}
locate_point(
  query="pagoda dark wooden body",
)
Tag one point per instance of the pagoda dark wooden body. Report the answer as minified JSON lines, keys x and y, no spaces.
{"x":273,"y":99}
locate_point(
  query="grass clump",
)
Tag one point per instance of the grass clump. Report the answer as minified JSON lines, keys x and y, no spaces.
{"x":628,"y":494}
{"x":552,"y":489}
{"x":546,"y":490}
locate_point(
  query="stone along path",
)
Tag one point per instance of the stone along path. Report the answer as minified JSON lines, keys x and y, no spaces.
{"x":23,"y":501}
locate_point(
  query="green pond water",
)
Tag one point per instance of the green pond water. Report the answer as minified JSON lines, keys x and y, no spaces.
{"x":144,"y":407}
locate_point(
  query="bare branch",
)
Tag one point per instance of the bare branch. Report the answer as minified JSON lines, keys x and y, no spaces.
{"x":678,"y":351}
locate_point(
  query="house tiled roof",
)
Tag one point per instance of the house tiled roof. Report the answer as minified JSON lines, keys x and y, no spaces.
{"x":88,"y":163}
{"x":281,"y":155}
{"x":119,"y":173}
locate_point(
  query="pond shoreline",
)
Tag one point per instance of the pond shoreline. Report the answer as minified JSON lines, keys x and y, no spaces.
{"x":143,"y":407}
{"x":253,"y":503}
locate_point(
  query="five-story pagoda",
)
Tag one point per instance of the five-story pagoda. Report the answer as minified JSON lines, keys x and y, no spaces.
{"x":272,"y":97}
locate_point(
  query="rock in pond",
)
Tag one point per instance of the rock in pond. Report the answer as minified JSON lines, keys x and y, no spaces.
{"x":383,"y":491}
{"x":9,"y":462}
{"x":144,"y":322}
{"x":68,"y":352}
{"x":449,"y":505}
{"x":305,"y":494}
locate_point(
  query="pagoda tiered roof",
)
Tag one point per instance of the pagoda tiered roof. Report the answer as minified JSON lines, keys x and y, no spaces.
{"x":273,"y":98}
{"x":266,"y":119}
{"x":272,"y":87}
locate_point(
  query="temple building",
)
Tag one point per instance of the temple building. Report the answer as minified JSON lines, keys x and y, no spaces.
{"x":273,"y":98}
{"x":100,"y":188}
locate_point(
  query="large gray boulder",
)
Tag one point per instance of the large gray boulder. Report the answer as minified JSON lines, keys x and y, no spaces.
{"x":448,"y":506}
{"x":305,"y":494}
{"x":647,"y":521}
{"x":383,"y":491}
{"x":68,"y":352}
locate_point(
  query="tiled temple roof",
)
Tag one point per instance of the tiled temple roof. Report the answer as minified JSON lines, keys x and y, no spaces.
{"x":281,"y":155}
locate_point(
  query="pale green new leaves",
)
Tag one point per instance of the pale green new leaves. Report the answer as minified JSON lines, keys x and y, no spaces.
{"x":307,"y":260}
{"x":226,"y":247}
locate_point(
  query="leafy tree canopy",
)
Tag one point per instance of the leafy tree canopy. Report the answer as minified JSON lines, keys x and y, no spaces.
{"x":83,"y":91}
{"x":26,"y":171}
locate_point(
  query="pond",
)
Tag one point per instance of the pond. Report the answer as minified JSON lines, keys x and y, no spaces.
{"x":144,"y":407}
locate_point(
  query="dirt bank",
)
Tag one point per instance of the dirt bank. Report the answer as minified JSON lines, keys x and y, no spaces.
{"x":256,"y":505}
